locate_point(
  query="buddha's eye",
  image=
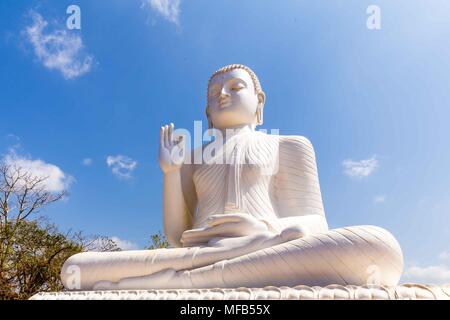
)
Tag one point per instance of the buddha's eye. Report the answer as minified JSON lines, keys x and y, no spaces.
{"x":237,"y":87}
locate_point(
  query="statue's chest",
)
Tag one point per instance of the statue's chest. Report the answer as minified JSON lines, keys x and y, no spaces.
{"x":209,"y":176}
{"x":227,"y":176}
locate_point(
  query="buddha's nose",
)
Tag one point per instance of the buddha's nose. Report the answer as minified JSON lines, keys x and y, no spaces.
{"x":223,"y":99}
{"x":224,"y":93}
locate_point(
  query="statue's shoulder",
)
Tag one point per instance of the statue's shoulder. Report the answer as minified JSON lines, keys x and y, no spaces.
{"x":294,"y":142}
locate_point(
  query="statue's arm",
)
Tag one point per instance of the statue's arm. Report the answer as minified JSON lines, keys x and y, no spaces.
{"x":179,"y":197}
{"x":297,"y":190}
{"x":178,"y":208}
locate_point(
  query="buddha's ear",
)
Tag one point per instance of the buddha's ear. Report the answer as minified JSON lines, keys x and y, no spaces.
{"x":260,"y":108}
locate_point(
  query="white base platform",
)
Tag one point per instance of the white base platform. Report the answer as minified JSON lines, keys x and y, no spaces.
{"x":404,"y":291}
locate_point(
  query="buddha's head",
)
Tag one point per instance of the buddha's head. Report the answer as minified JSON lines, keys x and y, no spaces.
{"x":234,"y":98}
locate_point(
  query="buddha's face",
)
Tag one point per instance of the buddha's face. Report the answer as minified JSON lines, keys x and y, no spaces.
{"x":232,"y":100}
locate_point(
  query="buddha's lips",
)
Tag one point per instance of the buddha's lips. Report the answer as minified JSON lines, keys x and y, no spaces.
{"x":224,"y":103}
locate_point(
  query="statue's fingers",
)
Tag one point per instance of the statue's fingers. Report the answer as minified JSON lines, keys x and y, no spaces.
{"x":166,"y":136}
{"x":194,"y":242}
{"x":218,"y":219}
{"x":227,"y":229}
{"x":161,"y":137}
{"x":232,"y":229}
{"x":198,"y":238}
{"x":188,"y":243}
{"x":192,"y":234}
{"x":194,"y":239}
{"x":171,"y":126}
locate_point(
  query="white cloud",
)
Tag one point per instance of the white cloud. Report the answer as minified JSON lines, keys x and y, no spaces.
{"x":122,"y":166}
{"x":87,"y":162}
{"x":427,"y":275}
{"x":124,"y":244}
{"x":102,"y":243}
{"x":360,"y":169}
{"x":59,"y":49}
{"x":169,"y":9}
{"x":379,"y":199}
{"x":56,"y":181}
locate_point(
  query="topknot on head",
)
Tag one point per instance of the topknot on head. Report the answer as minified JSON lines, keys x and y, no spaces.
{"x":230,"y":67}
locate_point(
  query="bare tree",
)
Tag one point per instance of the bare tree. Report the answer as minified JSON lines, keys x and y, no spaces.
{"x":21,"y":194}
{"x":32,"y":250}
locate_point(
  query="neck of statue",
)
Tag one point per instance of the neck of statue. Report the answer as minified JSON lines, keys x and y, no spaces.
{"x":236,"y":130}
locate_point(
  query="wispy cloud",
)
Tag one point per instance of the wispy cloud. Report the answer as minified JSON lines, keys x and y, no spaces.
{"x":439,"y":274}
{"x":168,"y":9}
{"x":87,"y":162}
{"x":59,"y":49}
{"x":121,"y":166}
{"x":379,"y":199}
{"x":57,"y":180}
{"x":361,"y":168}
{"x":14,"y":141}
{"x":124,"y":244}
{"x":13,"y":137}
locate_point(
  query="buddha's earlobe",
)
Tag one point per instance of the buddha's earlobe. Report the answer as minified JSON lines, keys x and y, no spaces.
{"x":259,"y":110}
{"x":259,"y":115}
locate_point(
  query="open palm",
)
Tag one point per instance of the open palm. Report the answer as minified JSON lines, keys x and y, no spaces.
{"x":171,"y":151}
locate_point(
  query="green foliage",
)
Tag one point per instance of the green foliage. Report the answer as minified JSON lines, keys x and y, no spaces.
{"x":157,"y":241}
{"x":31,"y":259}
{"x":32,"y":251}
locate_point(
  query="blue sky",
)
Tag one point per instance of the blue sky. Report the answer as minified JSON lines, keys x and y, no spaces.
{"x":375,"y":104}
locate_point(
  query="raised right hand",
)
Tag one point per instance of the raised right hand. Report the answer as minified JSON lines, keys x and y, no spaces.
{"x":171,"y":151}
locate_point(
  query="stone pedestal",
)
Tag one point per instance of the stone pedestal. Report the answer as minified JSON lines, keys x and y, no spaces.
{"x":333,"y":292}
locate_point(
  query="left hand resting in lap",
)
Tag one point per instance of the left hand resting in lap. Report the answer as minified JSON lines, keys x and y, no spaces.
{"x":225,"y":226}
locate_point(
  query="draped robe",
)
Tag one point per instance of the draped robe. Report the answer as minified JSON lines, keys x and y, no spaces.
{"x":270,"y":178}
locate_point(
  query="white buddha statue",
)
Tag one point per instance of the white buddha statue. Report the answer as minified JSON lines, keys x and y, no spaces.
{"x":251,"y":215}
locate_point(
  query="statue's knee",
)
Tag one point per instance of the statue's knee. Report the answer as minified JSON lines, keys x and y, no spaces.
{"x":379,"y":243}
